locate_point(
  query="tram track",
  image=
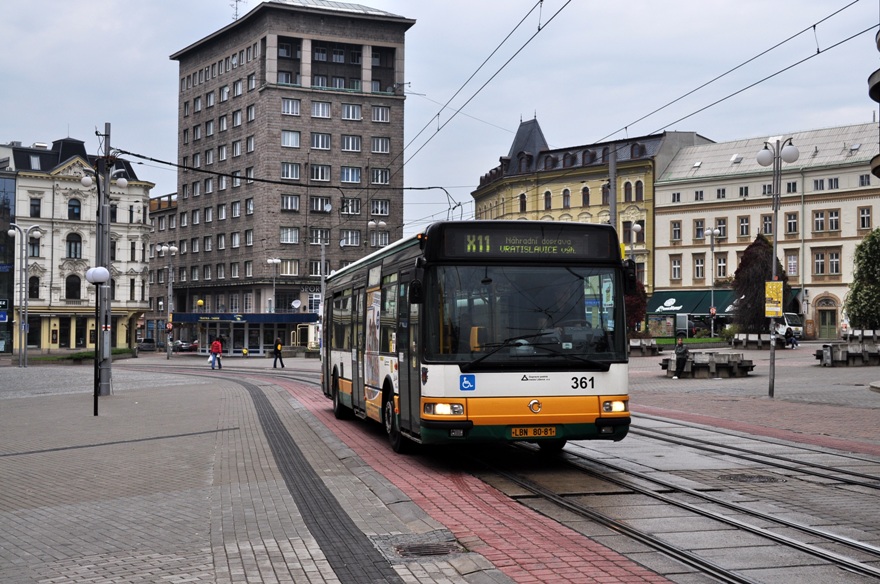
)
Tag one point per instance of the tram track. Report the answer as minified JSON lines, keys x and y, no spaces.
{"x":840,"y":475}
{"x":671,"y":493}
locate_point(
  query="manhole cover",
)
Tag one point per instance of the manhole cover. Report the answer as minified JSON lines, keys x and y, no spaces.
{"x":750,"y":478}
{"x":427,"y":549}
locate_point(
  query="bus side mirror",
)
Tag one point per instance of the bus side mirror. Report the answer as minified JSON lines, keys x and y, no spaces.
{"x":416,"y":292}
{"x":630,"y":277}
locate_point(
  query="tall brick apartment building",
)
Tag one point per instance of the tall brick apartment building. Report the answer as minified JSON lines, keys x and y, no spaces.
{"x":290,"y":144}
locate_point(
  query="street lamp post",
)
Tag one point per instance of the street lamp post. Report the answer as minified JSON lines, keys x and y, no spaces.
{"x":103,"y":310}
{"x":713,"y":233}
{"x":22,"y":280}
{"x":274,"y":263}
{"x":99,"y":276}
{"x":170,"y":251}
{"x":636,"y":229}
{"x":776,"y":153}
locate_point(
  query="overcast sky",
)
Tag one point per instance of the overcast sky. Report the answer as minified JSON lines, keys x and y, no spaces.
{"x":591,"y":72}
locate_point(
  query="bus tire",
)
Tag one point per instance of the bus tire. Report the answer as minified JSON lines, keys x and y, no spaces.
{"x":399,"y":443}
{"x":340,"y":412}
{"x":552,"y":446}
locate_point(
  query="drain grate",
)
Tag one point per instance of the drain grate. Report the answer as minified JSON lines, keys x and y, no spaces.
{"x":750,"y":478}
{"x":427,"y":549}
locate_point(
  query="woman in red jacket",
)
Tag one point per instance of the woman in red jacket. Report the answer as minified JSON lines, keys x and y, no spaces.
{"x":216,"y":349}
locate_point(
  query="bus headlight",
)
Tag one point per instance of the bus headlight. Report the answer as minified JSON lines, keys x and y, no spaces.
{"x":614,"y":406}
{"x":444,"y":409}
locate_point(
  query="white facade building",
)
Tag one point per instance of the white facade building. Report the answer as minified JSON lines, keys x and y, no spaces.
{"x":829,"y":201}
{"x":49,"y":195}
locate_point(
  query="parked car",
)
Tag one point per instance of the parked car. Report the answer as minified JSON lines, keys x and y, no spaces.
{"x":180,"y":346}
{"x":147,"y":345}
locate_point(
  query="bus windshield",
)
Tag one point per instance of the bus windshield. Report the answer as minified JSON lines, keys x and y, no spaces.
{"x":524,"y":315}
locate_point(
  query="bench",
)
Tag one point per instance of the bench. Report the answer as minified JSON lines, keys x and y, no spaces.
{"x":848,"y":354}
{"x":644,"y":347}
{"x":711,"y":365}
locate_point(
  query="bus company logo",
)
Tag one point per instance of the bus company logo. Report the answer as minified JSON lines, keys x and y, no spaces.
{"x":535,"y":406}
{"x":669,"y":305}
{"x":527,"y":377}
{"x":467,"y":382}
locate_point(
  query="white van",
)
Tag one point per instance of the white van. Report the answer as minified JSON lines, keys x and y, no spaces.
{"x":790,"y":319}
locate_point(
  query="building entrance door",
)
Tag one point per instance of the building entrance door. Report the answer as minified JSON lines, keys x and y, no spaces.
{"x":827,"y":324}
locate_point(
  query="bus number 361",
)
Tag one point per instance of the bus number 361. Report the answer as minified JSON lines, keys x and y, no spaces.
{"x":583,"y":383}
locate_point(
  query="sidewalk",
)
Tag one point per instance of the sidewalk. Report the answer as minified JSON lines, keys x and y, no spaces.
{"x":193,"y":475}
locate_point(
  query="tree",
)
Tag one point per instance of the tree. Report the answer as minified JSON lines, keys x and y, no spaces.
{"x":755,"y":268}
{"x":636,"y":305}
{"x":862,"y":304}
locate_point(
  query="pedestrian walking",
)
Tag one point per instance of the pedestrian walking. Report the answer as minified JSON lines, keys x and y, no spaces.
{"x":216,"y":350}
{"x":277,"y":353}
{"x":681,"y":357}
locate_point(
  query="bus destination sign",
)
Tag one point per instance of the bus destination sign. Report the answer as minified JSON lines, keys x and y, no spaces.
{"x":463,"y":242}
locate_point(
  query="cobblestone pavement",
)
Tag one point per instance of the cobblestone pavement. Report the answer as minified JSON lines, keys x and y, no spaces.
{"x":187,"y":475}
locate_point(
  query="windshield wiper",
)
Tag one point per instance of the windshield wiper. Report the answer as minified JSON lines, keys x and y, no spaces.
{"x":511,"y":342}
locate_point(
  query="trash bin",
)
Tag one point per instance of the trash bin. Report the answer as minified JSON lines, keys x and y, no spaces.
{"x":826,"y":356}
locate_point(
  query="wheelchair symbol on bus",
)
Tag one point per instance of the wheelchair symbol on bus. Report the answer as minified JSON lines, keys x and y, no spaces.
{"x":467,"y":383}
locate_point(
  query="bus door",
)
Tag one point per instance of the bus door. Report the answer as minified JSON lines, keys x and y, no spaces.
{"x":357,"y":353}
{"x":408,"y":359}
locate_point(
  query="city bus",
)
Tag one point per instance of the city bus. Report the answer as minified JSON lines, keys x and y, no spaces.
{"x":483,"y":331}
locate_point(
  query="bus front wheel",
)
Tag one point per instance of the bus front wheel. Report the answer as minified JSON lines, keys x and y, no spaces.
{"x":399,"y":444}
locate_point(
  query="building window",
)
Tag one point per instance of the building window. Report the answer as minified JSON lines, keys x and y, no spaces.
{"x":350,"y":206}
{"x":819,"y":221}
{"x":35,"y":208}
{"x":865,"y":218}
{"x":289,"y":268}
{"x":290,"y":202}
{"x":791,"y":187}
{"x":236,"y":209}
{"x":791,"y":223}
{"x":698,"y":195}
{"x":699,"y":229}
{"x":236,"y":118}
{"x":320,"y":141}
{"x":744,"y":191}
{"x":721,"y":266}
{"x":251,"y":112}
{"x":791,"y":264}
{"x":675,"y":229}
{"x":699,"y":267}
{"x":381,"y":145}
{"x":522,"y":203}
{"x":380,"y":176}
{"x":74,"y":209}
{"x":720,"y":193}
{"x":319,"y":172}
{"x":834,"y":220}
{"x":73,"y":288}
{"x":351,"y":111}
{"x":351,"y":143}
{"x":566,"y":199}
{"x":767,"y":224}
{"x":676,"y":197}
{"x":640,"y":191}
{"x":381,"y":113}
{"x":289,"y":235}
{"x":819,"y":184}
{"x":675,"y":265}
{"x":74,"y":246}
{"x":320,"y":109}
{"x":290,"y":170}
{"x":819,"y":263}
{"x":33,"y":247}
{"x":318,"y":235}
{"x":249,"y":206}
{"x":585,"y":197}
{"x":721,"y":225}
{"x":834,"y":263}
{"x":289,"y":106}
{"x":864,"y":180}
{"x":833,"y":183}
{"x":33,"y":287}
{"x":548,"y":201}
{"x":319,"y":204}
{"x":350,"y":237}
{"x":289,"y":139}
{"x":380,"y":207}
{"x":743,"y":226}
{"x":221,"y":211}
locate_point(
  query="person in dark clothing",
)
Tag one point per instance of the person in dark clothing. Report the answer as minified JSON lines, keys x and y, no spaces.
{"x":276,"y":351}
{"x":681,"y":357}
{"x":790,"y":340}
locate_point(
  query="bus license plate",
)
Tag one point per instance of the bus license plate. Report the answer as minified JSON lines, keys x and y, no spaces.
{"x":533,"y":432}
